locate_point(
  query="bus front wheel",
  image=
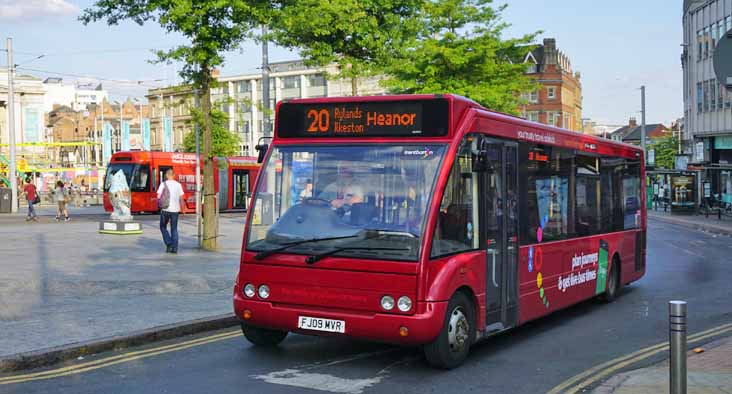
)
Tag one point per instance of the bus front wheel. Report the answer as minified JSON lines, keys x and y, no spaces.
{"x":263,"y":336}
{"x":451,"y":347}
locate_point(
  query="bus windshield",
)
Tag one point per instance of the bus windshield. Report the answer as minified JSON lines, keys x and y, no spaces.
{"x":137,"y":175}
{"x":369,"y":197}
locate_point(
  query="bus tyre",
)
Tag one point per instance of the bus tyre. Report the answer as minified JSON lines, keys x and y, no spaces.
{"x":451,"y":347}
{"x":613,"y":283}
{"x":263,"y":336}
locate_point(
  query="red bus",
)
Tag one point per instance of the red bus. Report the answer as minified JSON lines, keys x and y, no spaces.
{"x":145,"y":170}
{"x":430,"y":220}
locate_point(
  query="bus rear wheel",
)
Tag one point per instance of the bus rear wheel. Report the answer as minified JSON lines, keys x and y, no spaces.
{"x":263,"y":336}
{"x":613,"y":282}
{"x":451,"y":347}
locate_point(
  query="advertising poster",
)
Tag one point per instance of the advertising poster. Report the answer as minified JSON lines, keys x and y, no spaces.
{"x":31,"y":130}
{"x":107,"y":141}
{"x":125,"y":135}
{"x":145,"y":134}
{"x":167,"y":134}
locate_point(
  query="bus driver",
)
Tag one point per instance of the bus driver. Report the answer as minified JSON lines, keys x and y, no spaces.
{"x":343,"y":191}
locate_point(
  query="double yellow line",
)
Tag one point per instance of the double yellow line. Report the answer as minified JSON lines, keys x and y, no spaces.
{"x":594,"y":374}
{"x":119,"y":359}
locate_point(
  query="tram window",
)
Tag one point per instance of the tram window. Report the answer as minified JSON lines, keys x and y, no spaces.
{"x":141,"y":179}
{"x":456,"y":230}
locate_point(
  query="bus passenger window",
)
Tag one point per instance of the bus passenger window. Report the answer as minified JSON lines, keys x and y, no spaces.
{"x":455,"y":229}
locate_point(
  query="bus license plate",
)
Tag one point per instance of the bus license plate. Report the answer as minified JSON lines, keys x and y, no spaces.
{"x":318,"y":324}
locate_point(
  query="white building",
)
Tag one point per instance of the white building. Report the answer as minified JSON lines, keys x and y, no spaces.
{"x":28,"y":111}
{"x":707,"y":122}
{"x":240,"y":96}
{"x":75,"y":96}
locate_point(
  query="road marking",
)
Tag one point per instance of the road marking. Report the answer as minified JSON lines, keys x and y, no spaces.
{"x":594,"y":374}
{"x":318,"y":381}
{"x":119,"y":359}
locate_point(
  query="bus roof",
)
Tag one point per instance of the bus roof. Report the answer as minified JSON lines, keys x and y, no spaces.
{"x":461,"y":110}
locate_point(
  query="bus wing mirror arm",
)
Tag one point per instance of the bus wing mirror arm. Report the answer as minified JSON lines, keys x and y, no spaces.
{"x":261,"y":152}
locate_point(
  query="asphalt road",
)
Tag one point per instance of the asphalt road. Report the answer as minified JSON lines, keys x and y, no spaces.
{"x":682,"y":264}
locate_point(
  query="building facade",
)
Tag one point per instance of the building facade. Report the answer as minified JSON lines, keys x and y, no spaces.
{"x":75,"y":96}
{"x":240,"y":97}
{"x":707,"y":131}
{"x":632,"y":133}
{"x":558,"y":100}
{"x":28,"y":111}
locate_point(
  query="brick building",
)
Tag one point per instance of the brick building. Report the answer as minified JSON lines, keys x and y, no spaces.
{"x":631,"y":133}
{"x":558,"y":101}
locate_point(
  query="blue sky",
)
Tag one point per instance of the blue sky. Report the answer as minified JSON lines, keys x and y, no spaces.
{"x":617,"y":46}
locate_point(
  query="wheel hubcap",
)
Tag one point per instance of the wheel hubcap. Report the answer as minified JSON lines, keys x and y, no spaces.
{"x":458,"y":330}
{"x":611,"y":285}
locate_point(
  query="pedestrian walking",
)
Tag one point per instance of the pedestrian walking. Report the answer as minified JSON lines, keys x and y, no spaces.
{"x":32,"y":197}
{"x":170,"y":201}
{"x":60,"y":195}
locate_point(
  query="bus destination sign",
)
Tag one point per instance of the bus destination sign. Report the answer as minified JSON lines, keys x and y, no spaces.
{"x":417,"y":118}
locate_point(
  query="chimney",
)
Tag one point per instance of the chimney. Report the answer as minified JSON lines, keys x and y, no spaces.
{"x":632,"y":122}
{"x":551,"y":55}
{"x":550,"y":44}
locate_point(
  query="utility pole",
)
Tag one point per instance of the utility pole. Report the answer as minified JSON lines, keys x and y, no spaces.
{"x":643,"y":121}
{"x":11,"y":130}
{"x":265,"y":84}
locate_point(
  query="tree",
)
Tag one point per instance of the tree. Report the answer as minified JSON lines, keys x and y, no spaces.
{"x":461,"y":50}
{"x":212,"y":28}
{"x":224,"y":142}
{"x":360,"y":36}
{"x":665,"y":149}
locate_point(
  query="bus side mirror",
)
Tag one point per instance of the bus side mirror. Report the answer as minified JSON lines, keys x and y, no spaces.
{"x":261,"y":152}
{"x":479,"y":158}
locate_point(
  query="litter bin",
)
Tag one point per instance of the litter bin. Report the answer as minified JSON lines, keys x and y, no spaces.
{"x":5,"y":203}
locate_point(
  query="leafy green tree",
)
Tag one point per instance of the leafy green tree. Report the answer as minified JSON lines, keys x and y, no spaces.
{"x":360,"y":36}
{"x":212,"y":28}
{"x":461,"y":50}
{"x":665,"y":149}
{"x":225,"y":143}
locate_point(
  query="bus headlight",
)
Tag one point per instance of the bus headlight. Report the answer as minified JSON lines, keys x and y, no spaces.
{"x":404,"y":304}
{"x":249,"y":290}
{"x":263,"y":291}
{"x":387,"y":302}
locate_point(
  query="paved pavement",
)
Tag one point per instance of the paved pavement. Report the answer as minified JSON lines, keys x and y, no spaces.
{"x":709,"y":372}
{"x":682,"y":264}
{"x":62,"y":283}
{"x":709,"y":224}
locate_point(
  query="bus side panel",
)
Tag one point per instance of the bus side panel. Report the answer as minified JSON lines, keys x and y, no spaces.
{"x":563,"y":273}
{"x":447,"y":274}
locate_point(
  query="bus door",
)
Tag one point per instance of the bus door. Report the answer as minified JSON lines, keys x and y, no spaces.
{"x":240,"y":189}
{"x":500,"y":231}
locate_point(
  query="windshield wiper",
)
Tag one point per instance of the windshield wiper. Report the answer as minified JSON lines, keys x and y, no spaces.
{"x":266,"y":253}
{"x":317,"y":257}
{"x":371,"y":232}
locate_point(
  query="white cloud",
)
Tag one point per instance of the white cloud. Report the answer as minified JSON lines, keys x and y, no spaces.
{"x":19,"y":10}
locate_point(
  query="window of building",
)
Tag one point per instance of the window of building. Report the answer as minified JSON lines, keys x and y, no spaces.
{"x":244,"y":86}
{"x":316,"y":80}
{"x":457,"y":228}
{"x":720,"y":30}
{"x":706,"y":95}
{"x":699,"y":97}
{"x":291,"y":82}
{"x":533,"y":116}
{"x":699,"y":44}
{"x":720,"y":96}
{"x":244,"y":107}
{"x":534,"y":97}
{"x":727,"y":97}
{"x":712,"y":95}
{"x":728,"y":23}
{"x":532,"y":68}
{"x":554,"y":118}
{"x":244,"y":150}
{"x":244,"y":127}
{"x":707,"y":40}
{"x":551,"y":92}
{"x":713,"y":37}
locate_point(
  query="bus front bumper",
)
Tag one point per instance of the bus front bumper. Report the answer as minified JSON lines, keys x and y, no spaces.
{"x":421,"y":328}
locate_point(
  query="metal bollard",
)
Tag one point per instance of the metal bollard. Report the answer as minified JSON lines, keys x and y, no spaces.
{"x":677,"y":343}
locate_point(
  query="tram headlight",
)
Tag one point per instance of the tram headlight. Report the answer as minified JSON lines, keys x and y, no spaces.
{"x":387,"y":302}
{"x":250,"y":290}
{"x":404,"y":304}
{"x":263,"y":291}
